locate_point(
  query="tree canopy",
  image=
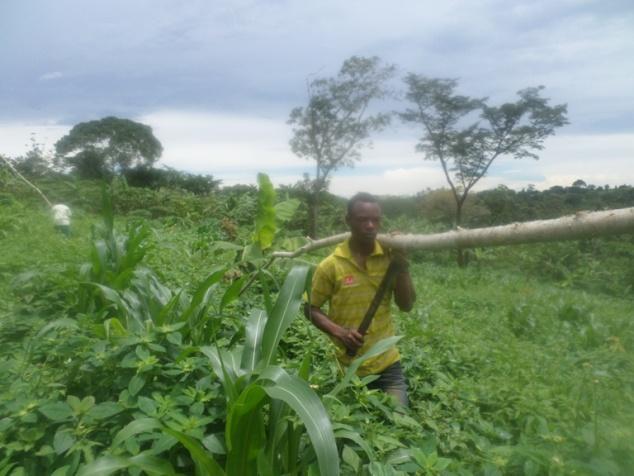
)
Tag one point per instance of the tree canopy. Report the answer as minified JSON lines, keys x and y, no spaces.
{"x":105,"y":147}
{"x":467,"y":148}
{"x":335,"y":125}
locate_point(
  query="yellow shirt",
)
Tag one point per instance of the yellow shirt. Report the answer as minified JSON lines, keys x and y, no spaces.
{"x":349,"y":291}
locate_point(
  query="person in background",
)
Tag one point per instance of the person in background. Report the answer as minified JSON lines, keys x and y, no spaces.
{"x":348,"y":280}
{"x":61,"y":217}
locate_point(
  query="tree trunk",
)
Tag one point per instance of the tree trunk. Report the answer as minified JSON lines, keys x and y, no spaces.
{"x":461,"y":255}
{"x":313,"y":214}
{"x":572,"y":227}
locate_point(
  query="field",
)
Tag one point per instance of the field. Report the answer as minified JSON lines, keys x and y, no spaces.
{"x":130,"y":348}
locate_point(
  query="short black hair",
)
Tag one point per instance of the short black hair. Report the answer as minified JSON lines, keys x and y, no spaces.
{"x":360,"y":197}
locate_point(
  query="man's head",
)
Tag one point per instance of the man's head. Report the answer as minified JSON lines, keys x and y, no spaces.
{"x":363,"y":218}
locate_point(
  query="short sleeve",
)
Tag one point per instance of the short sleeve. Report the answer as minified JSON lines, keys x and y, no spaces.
{"x":322,"y":285}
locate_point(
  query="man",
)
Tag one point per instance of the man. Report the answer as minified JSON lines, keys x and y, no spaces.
{"x":348,"y":280}
{"x":61,"y":217}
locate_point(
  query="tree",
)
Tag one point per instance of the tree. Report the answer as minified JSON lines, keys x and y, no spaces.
{"x":438,"y":207}
{"x":467,"y":150}
{"x":335,"y":125}
{"x":36,"y":162}
{"x":105,"y":147}
{"x":148,"y":177}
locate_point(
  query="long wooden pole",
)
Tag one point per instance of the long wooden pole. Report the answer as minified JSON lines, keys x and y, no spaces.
{"x":12,"y":168}
{"x":572,"y":227}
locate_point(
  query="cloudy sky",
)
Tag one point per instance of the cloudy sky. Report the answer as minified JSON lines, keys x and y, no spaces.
{"x":217,"y":79}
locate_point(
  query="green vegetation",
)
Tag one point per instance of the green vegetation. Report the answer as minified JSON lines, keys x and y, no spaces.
{"x":159,"y":339}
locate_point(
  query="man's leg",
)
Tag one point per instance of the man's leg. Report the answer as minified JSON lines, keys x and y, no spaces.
{"x":392,"y":381}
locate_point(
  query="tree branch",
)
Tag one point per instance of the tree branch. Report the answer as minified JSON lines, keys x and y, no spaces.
{"x":571,"y":227}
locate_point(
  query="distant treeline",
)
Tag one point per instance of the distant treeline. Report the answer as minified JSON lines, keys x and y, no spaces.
{"x":157,"y":192}
{"x":504,"y":205}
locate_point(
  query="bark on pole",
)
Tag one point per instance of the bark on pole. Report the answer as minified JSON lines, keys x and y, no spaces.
{"x":571,"y":227}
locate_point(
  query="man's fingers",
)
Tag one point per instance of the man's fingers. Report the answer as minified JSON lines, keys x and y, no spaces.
{"x":352,"y":339}
{"x":358,"y":338}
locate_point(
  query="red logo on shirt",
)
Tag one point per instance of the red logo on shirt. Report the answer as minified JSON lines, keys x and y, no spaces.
{"x":348,"y":280}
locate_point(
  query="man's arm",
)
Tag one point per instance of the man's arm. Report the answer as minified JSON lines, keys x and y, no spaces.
{"x":404,"y":293}
{"x":351,"y":338}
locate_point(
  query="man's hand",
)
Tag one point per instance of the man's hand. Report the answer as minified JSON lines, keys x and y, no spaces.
{"x":399,"y":255}
{"x":351,"y":338}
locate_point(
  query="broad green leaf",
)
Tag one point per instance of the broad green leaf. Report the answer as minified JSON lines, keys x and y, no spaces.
{"x":276,"y":427}
{"x":136,"y":384}
{"x":63,"y":471}
{"x":80,"y":406}
{"x":205,"y":464}
{"x":201,"y":296}
{"x":169,"y":310}
{"x":265,"y":227}
{"x":253,"y":338}
{"x":399,"y":456}
{"x":377,"y":349}
{"x":232,"y":292}
{"x":104,"y":410}
{"x":74,"y":402}
{"x":264,"y":465}
{"x":113,"y":327}
{"x":285,"y":210}
{"x":304,"y":401}
{"x":140,"y":425}
{"x":245,"y":436}
{"x":292,"y":243}
{"x":225,"y":245}
{"x":284,"y":311}
{"x":214,"y":444}
{"x":406,"y":421}
{"x":355,"y":437}
{"x":57,"y":411}
{"x":104,"y":466}
{"x":99,"y":258}
{"x":64,"y":323}
{"x":133,"y":321}
{"x":381,"y":469}
{"x":63,"y":440}
{"x":251,"y":253}
{"x":304,"y":368}
{"x":263,"y":278}
{"x":351,"y":458}
{"x":226,"y":376}
{"x":250,"y":398}
{"x":147,"y":406}
{"x":151,"y":464}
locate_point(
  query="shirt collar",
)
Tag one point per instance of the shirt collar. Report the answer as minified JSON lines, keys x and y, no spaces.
{"x":343,"y":249}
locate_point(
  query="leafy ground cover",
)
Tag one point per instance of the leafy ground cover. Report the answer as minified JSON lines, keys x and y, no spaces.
{"x":128,"y":349}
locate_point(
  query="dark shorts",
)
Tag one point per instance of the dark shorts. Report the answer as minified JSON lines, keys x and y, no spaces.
{"x":65,"y":229}
{"x":392,"y":380}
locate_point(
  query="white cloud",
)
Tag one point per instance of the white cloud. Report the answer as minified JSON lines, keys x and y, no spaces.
{"x":605,"y":159}
{"x":235,"y":148}
{"x":15,"y":137}
{"x":50,"y":76}
{"x":220,"y":143}
{"x":400,"y":181}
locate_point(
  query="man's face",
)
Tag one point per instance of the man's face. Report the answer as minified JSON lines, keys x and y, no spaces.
{"x":364,"y":221}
